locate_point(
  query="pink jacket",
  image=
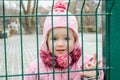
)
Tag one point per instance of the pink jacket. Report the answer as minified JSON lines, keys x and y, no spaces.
{"x":58,"y":76}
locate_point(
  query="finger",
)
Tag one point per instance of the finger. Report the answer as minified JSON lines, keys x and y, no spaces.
{"x":94,"y":57}
{"x":82,"y":73}
{"x":93,"y":65}
{"x":99,"y":62}
{"x":88,"y":65}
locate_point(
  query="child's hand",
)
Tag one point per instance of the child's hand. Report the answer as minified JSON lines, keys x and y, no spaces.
{"x":90,"y":65}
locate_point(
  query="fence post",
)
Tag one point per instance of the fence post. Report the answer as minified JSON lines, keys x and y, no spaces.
{"x":114,"y":40}
{"x":111,"y":40}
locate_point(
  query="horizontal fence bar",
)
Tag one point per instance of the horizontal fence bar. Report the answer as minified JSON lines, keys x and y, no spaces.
{"x":107,"y":68}
{"x":44,"y":15}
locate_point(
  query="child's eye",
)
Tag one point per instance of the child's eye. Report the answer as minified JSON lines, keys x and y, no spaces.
{"x":54,"y":38}
{"x":67,"y":38}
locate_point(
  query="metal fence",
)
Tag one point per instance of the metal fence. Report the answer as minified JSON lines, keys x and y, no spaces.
{"x":17,"y":52}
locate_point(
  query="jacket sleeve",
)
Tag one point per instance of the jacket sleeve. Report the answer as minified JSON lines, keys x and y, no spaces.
{"x":31,"y":73}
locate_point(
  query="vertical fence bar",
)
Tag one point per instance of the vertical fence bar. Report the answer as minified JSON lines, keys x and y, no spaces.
{"x":82,"y":30}
{"x":37,"y":38}
{"x":21,"y":41}
{"x":96,"y":20}
{"x":105,"y":34}
{"x":52,"y":20}
{"x":67,"y":32}
{"x":5,"y":56}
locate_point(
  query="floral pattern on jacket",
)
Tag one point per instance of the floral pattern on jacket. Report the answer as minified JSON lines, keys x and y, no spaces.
{"x":33,"y":69}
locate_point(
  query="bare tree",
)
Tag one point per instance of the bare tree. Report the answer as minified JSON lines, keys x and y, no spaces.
{"x":90,"y":7}
{"x":29,"y":21}
{"x":72,"y":7}
{"x":0,"y":7}
{"x":1,"y":12}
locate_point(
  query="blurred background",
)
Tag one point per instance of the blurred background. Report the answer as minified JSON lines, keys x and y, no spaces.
{"x":28,"y":24}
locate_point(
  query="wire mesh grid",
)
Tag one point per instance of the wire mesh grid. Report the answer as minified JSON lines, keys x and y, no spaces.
{"x":18,"y":51}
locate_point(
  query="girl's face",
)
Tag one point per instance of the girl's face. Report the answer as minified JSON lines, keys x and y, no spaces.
{"x":60,"y":41}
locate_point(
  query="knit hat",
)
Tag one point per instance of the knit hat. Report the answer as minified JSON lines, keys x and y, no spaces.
{"x":59,"y":19}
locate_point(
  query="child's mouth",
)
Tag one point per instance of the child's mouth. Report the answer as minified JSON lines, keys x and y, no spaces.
{"x":61,"y":51}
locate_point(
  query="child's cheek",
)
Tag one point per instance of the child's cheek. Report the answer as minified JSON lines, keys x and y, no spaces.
{"x":50,"y":48}
{"x":71,"y":48}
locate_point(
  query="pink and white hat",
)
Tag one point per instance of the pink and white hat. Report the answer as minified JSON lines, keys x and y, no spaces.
{"x":59,"y":19}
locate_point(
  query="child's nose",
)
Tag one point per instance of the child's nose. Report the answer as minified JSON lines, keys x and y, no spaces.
{"x":60,"y":43}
